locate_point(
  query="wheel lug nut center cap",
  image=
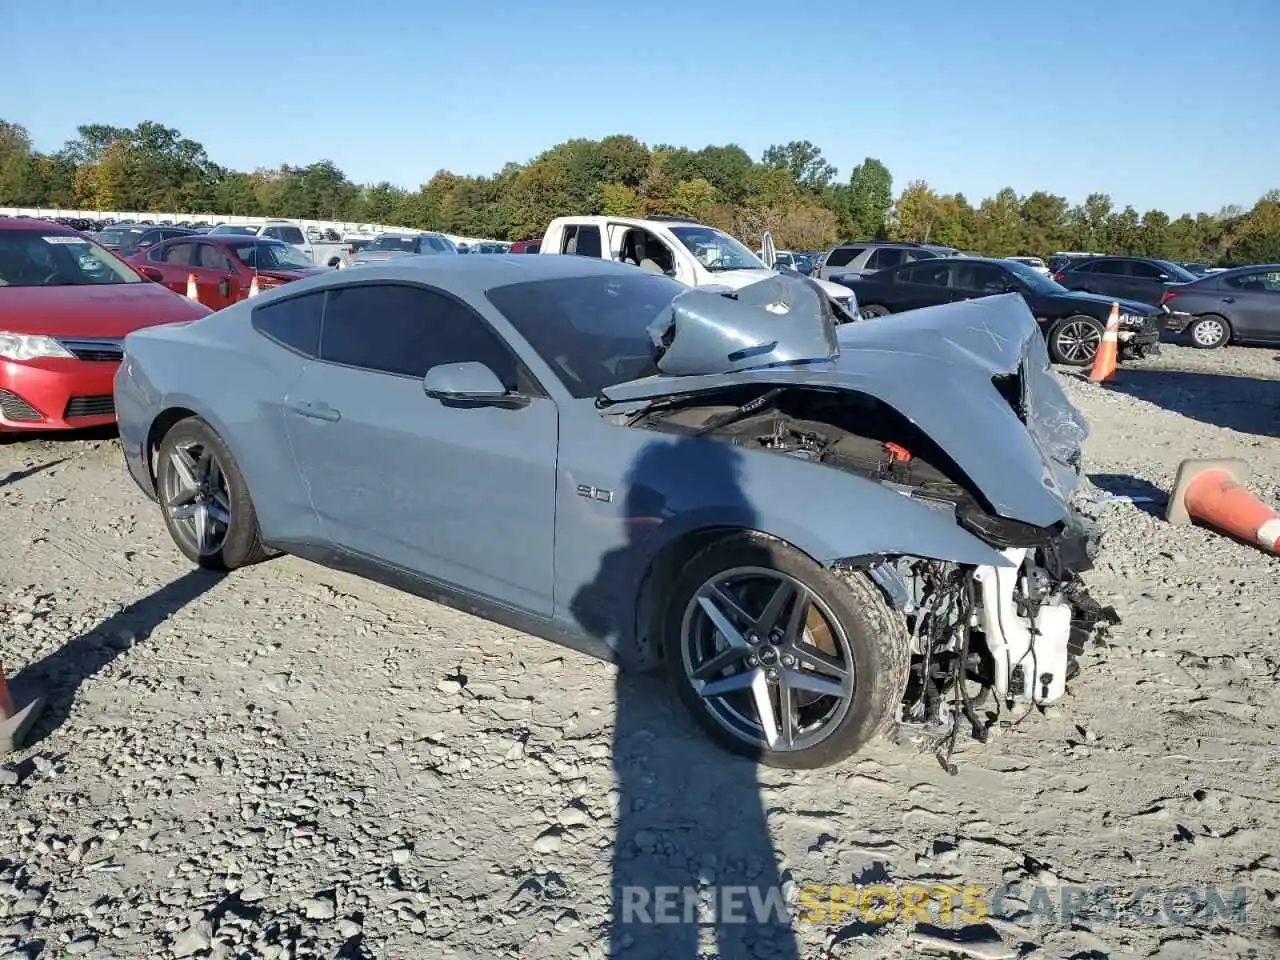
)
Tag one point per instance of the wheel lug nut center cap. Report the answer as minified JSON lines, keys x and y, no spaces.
{"x":768,"y":655}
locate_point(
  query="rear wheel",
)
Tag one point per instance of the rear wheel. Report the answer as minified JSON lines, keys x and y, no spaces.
{"x":205,"y":500}
{"x":1075,"y":340}
{"x":873,"y":311}
{"x":780,"y":659}
{"x":1209,"y":332}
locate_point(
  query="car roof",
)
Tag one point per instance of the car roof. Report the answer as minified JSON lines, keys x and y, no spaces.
{"x":14,"y":223}
{"x":474,"y":275}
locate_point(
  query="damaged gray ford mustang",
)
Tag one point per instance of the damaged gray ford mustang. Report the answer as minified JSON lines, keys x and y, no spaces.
{"x":820,"y":528}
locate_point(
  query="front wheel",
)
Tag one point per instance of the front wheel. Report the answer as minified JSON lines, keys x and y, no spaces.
{"x":1209,"y":332}
{"x":205,"y":499}
{"x":1075,"y":341}
{"x":780,"y":659}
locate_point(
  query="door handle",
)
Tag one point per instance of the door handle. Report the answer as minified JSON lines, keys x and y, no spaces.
{"x":316,"y":411}
{"x":1228,"y":299}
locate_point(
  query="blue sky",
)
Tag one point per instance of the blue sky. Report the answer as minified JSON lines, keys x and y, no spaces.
{"x":1173,"y":105}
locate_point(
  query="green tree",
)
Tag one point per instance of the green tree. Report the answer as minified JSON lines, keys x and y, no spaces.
{"x":870,"y":198}
{"x":804,"y":161}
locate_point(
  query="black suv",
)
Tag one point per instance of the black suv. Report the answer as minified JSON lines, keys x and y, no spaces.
{"x":1130,"y":278}
{"x":860,"y":259}
{"x":1073,"y":323}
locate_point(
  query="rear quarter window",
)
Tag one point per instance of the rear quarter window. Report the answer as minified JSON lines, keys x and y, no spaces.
{"x":293,"y":323}
{"x":842,"y":256}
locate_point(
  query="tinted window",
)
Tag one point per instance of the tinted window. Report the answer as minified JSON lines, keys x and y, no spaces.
{"x":886,"y":257}
{"x":294,"y":322}
{"x":981,"y":277}
{"x":408,"y":330}
{"x":592,"y":331}
{"x":583,"y":240}
{"x":1114,"y":268}
{"x":1145,"y":271}
{"x":1263,"y":281}
{"x":922,"y":255}
{"x":842,"y":256}
{"x":287,"y":234}
{"x":929,"y":274}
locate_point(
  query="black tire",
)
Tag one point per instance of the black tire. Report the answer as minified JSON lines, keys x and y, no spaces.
{"x":1209,"y":332}
{"x":873,"y":311}
{"x":241,"y":542}
{"x":876,"y":638}
{"x":1070,"y":345}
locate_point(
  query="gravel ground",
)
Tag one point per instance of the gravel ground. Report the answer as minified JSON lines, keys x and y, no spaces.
{"x":290,"y":762}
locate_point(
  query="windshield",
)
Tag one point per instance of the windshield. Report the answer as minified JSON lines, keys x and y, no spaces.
{"x":226,"y":228}
{"x":398,"y":244}
{"x":716,"y":250}
{"x":121,"y":236}
{"x":1176,"y":272}
{"x":271,"y":255}
{"x":1033,"y":279}
{"x":592,"y":331}
{"x":35,"y":258}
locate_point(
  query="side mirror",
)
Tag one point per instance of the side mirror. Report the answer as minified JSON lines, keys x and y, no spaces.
{"x":469,"y":384}
{"x":152,"y":274}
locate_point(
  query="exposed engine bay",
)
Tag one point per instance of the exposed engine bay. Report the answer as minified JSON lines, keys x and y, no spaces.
{"x":987,"y":641}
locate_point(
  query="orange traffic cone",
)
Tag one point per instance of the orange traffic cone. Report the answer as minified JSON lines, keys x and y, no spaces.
{"x":193,"y":292}
{"x":1104,"y":364}
{"x":1211,"y":491}
{"x":253,"y":286}
{"x":15,"y":723}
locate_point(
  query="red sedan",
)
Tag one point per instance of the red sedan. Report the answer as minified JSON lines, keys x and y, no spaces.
{"x":224,"y":265}
{"x":66,"y":305}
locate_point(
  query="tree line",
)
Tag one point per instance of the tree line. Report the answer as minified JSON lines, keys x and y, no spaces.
{"x":792,"y":191}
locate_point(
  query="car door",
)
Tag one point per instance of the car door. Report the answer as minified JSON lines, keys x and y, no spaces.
{"x":460,"y":495}
{"x":920,"y":284}
{"x":174,"y":261}
{"x":972,"y":280}
{"x":1147,"y":282}
{"x":217,"y":277}
{"x":1107,"y":277}
{"x":1251,"y":301}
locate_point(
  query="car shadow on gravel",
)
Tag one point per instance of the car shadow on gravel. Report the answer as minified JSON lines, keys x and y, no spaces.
{"x":1237,"y":403}
{"x":693,"y":861}
{"x":58,"y":676}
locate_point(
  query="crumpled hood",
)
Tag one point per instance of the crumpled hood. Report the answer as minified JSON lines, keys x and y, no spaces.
{"x":935,"y":366}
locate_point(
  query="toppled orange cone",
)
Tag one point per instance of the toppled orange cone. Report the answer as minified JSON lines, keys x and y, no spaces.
{"x":15,"y":723}
{"x":1104,"y":364}
{"x":1212,"y":492}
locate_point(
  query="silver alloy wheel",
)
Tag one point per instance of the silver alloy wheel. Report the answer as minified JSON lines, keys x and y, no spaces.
{"x":1207,"y":332}
{"x":768,"y":657}
{"x":1078,"y":341}
{"x":193,"y":492}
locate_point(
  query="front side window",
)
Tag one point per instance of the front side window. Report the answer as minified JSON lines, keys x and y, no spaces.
{"x":407,"y":330}
{"x":39,"y":258}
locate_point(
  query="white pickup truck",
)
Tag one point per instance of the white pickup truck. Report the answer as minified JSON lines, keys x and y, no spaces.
{"x":321,"y":253}
{"x":689,"y":251}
